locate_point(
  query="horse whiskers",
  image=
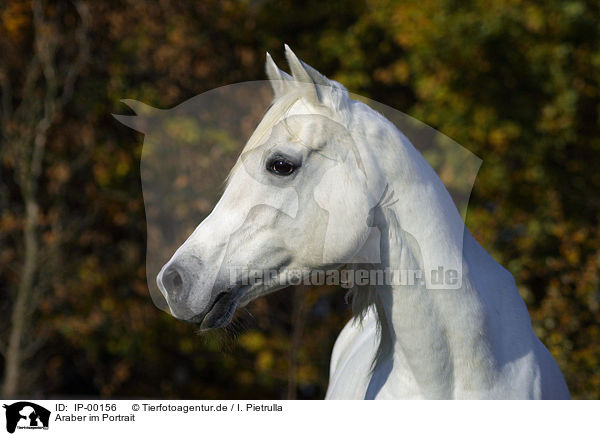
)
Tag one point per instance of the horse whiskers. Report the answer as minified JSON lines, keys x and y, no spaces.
{"x":249,"y":313}
{"x":235,"y":328}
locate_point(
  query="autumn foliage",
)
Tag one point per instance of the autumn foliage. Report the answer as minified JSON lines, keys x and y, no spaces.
{"x":515,"y":82}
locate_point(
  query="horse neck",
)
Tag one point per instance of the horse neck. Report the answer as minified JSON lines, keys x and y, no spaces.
{"x":435,"y":332}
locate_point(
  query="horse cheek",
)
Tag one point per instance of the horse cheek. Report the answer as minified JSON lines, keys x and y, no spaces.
{"x":338,"y":193}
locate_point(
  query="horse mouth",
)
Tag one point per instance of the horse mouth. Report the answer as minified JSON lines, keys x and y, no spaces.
{"x":219,"y":313}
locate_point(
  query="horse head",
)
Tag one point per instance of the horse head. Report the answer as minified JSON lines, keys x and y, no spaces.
{"x":299,"y":198}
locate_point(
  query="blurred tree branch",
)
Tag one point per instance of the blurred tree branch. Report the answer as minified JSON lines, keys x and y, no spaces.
{"x":48,"y":86}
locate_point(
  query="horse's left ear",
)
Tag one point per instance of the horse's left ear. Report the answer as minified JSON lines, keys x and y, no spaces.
{"x":323,"y":90}
{"x":304,"y":73}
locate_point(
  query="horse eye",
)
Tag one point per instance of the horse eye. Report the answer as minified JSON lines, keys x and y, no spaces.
{"x":281,"y":167}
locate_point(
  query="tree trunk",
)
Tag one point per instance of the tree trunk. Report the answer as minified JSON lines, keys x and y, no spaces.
{"x":20,"y":318}
{"x":29,"y":146}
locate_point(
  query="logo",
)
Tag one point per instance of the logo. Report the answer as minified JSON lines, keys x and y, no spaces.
{"x":26,"y":415}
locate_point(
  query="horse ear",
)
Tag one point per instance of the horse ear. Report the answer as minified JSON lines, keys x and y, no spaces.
{"x":305,"y":74}
{"x":277,"y":77}
{"x":314,"y":76}
{"x":297,"y":66}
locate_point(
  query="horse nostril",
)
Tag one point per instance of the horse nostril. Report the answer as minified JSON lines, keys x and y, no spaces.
{"x":172,"y":281}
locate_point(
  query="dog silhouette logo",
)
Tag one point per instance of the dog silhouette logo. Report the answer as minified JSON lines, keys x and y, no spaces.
{"x":26,"y":415}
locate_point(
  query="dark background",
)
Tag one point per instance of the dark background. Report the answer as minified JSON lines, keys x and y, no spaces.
{"x":515,"y":82}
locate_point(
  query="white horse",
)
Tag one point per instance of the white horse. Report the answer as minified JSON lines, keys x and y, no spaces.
{"x":325,"y":181}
